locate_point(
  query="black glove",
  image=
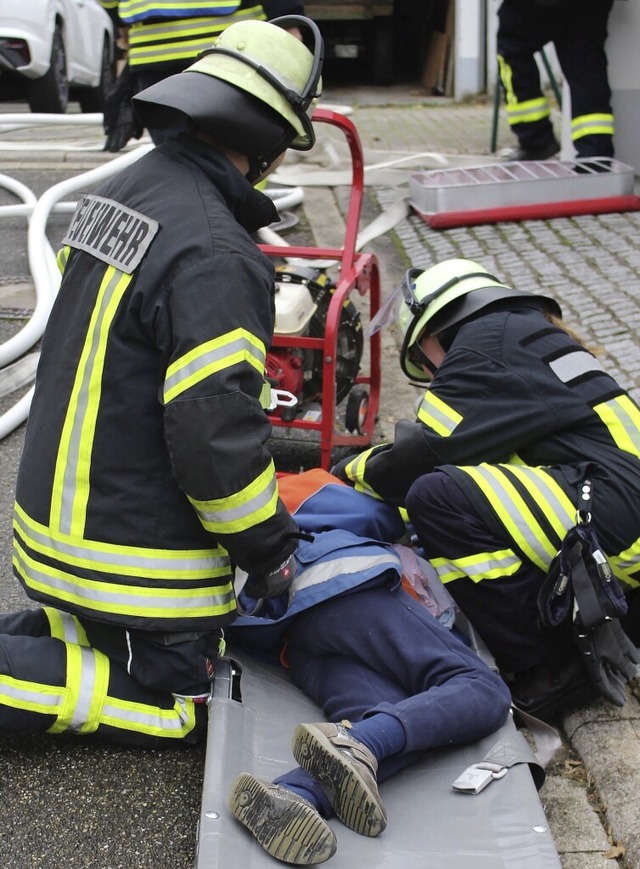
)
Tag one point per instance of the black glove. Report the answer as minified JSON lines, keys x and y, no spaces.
{"x":119,"y":120}
{"x":610,"y":658}
{"x":274,"y":583}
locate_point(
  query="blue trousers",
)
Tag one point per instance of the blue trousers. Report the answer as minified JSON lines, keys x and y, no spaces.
{"x":379,"y":650}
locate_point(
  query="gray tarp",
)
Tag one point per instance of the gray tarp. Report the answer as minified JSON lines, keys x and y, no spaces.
{"x":430,"y":825}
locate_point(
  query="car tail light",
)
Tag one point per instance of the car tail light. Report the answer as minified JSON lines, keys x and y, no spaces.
{"x":15,"y":52}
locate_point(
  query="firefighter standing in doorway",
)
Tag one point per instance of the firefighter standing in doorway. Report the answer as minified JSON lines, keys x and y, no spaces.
{"x":516,"y":416}
{"x":145,"y":475}
{"x":578,"y":31}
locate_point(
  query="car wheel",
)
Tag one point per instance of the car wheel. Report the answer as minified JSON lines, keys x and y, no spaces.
{"x":50,"y":93}
{"x":92,"y":99}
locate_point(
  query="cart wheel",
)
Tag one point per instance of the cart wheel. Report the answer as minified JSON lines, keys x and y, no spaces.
{"x":356,"y":410}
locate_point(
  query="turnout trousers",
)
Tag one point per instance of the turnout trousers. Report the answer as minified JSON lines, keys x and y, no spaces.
{"x":578,"y":31}
{"x":500,"y":603}
{"x":378,"y":650}
{"x":59,"y":674}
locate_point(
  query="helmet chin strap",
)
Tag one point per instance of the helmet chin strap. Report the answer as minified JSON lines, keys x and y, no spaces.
{"x":259,"y":165}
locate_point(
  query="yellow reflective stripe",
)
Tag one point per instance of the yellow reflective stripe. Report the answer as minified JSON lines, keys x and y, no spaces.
{"x":66,"y":627}
{"x":597,"y":124}
{"x":174,"y":723}
{"x":71,"y":479}
{"x":62,"y":256}
{"x":438,"y":415}
{"x":478,"y":567}
{"x":167,"y":564}
{"x":528,"y":111}
{"x":133,"y":9}
{"x":621,"y":416}
{"x":525,"y":111}
{"x":514,"y":514}
{"x":177,"y":40}
{"x":113,"y":597}
{"x":355,"y":471}
{"x":256,"y":503}
{"x":87,"y":680}
{"x":559,"y":511}
{"x":626,"y":564}
{"x":207,"y":359}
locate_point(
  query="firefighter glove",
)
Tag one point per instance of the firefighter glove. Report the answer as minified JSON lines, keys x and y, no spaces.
{"x":610,"y":658}
{"x":274,"y":583}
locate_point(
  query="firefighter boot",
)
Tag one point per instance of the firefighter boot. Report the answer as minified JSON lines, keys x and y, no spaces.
{"x":287,"y":826}
{"x":346,"y":769}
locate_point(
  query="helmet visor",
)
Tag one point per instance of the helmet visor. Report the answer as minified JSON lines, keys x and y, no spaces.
{"x":388,"y":312}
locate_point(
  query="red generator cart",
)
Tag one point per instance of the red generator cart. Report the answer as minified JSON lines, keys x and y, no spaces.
{"x":317,"y":350}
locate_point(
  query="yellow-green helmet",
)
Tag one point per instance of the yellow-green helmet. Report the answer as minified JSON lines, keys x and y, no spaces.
{"x":443,"y":296}
{"x":254,"y":89}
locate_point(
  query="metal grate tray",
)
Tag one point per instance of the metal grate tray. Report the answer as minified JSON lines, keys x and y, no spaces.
{"x":500,"y":185}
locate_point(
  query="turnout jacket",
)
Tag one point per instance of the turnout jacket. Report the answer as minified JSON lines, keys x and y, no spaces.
{"x":166,"y":34}
{"x":145,"y":471}
{"x":518,"y":414}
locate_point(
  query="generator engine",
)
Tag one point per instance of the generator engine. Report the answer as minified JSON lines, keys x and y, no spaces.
{"x":301,"y":304}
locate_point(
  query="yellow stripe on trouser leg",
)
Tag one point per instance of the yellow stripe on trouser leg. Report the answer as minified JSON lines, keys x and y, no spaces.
{"x":85,"y":691}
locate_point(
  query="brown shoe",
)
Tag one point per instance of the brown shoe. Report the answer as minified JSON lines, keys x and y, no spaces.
{"x":284,"y":823}
{"x":346,"y":769}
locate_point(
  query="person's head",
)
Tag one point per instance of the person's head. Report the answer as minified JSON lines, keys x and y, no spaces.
{"x":430,"y":306}
{"x":252,"y":92}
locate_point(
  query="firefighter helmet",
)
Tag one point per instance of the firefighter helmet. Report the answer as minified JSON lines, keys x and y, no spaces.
{"x":431,"y":301}
{"x":254,"y":89}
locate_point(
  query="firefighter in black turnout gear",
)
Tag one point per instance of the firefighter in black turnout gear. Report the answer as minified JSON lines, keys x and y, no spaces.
{"x":578,"y":31}
{"x":516,"y":415}
{"x":145,"y":477}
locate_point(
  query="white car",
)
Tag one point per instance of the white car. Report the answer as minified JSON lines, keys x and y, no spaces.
{"x":51,"y":50}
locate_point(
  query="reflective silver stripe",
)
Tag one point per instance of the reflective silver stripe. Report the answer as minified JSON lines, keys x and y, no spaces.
{"x":241,"y":511}
{"x":47,"y":697}
{"x":148,"y":719}
{"x":231,"y":349}
{"x":110,"y":558}
{"x":65,"y":627}
{"x":319,"y":573}
{"x":71,"y":470}
{"x":486,"y":565}
{"x":114,"y":598}
{"x":544,"y":489}
{"x":85,"y":689}
{"x":574,"y":364}
{"x":438,"y":415}
{"x":497,"y":490}
{"x":621,"y":416}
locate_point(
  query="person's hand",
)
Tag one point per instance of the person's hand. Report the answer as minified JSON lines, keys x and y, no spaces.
{"x":274,"y":583}
{"x":610,"y":658}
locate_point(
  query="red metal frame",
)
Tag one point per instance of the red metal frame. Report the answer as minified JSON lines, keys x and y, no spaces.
{"x":358,"y":271}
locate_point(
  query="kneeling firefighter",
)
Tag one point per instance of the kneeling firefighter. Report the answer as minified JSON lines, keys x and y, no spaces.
{"x":145,"y":477}
{"x":519,"y":422}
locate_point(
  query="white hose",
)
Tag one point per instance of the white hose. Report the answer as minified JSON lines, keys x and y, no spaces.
{"x":42,"y":263}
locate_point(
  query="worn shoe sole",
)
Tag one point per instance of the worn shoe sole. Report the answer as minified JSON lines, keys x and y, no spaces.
{"x":354,"y":802}
{"x":289,"y":830}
